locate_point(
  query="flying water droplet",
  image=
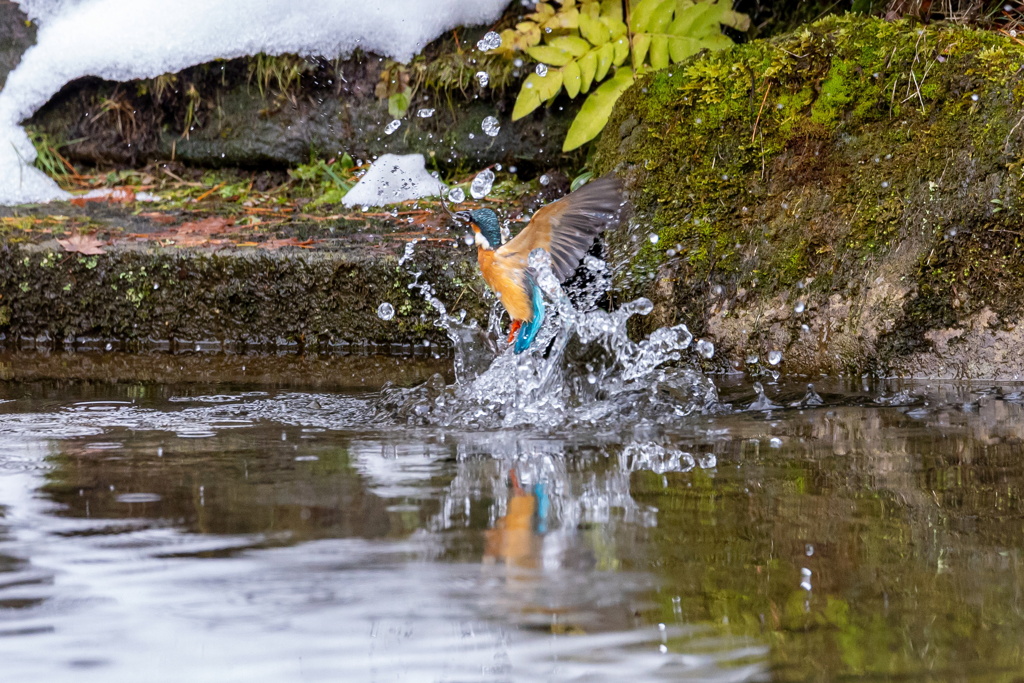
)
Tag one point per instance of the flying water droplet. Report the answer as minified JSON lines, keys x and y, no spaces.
{"x":425,"y":113}
{"x":392,"y":127}
{"x":774,"y":357}
{"x":799,"y":308}
{"x":456,"y":195}
{"x":385,"y":311}
{"x":544,"y":180}
{"x":775,"y":442}
{"x":482,"y":184}
{"x":490,"y":41}
{"x":482,"y":78}
{"x":705,"y":348}
{"x":541,"y":70}
{"x":490,"y":126}
{"x":653,"y":238}
{"x":707,"y":461}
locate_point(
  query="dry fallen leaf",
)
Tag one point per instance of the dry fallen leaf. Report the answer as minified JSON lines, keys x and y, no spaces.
{"x":83,"y":244}
{"x":159,"y":218}
{"x":117,"y":195}
{"x":206,"y":226}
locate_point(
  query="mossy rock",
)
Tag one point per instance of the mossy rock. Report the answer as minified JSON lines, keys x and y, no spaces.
{"x":848,"y":194}
{"x":241,"y":299}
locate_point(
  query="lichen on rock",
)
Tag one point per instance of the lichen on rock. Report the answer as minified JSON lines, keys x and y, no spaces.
{"x":837,"y":193}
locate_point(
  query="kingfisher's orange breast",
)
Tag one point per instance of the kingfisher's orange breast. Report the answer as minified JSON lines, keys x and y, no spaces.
{"x":504,"y":274}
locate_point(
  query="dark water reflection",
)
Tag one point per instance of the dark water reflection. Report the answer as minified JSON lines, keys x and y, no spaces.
{"x":212,"y":532}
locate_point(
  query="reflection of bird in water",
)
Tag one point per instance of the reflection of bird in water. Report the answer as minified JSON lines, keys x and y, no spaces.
{"x":515,"y":538}
{"x":565,"y":229}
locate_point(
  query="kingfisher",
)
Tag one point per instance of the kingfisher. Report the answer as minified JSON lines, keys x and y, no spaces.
{"x":565,"y":228}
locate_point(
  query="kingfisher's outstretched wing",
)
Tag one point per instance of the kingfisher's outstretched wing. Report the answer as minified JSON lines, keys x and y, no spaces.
{"x":566,"y":228}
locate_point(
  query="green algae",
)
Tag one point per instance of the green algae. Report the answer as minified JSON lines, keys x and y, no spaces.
{"x":813,"y":157}
{"x":248,"y":298}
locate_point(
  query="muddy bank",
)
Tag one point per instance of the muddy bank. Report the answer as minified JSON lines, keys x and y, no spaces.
{"x":848,"y":195}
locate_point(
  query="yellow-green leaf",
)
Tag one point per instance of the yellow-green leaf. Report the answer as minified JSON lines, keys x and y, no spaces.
{"x":662,"y":16}
{"x":641,"y":41}
{"x":604,"y":61}
{"x":640,"y":15}
{"x":737,"y":20}
{"x":621,"y":48}
{"x":680,"y":48}
{"x":615,"y":27}
{"x":596,"y":109}
{"x":696,"y":21}
{"x":574,"y":45}
{"x":535,"y":91}
{"x":659,"y":51}
{"x":588,"y":67}
{"x":550,"y":55}
{"x":564,"y":19}
{"x":571,"y":78}
{"x":529,"y":98}
{"x":612,"y":9}
{"x":593,"y":30}
{"x":552,"y":85}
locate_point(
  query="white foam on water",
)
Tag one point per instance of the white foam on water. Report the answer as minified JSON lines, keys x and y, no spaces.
{"x":126,"y":39}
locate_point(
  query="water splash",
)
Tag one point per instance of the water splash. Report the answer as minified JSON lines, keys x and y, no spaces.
{"x":490,"y":41}
{"x":482,"y":184}
{"x":490,"y":126}
{"x":582,"y":369}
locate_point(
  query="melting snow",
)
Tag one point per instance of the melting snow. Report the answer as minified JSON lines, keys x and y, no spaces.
{"x":126,"y":39}
{"x":391,"y":179}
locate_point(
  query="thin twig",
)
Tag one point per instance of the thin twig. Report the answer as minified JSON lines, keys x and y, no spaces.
{"x":758,"y":120}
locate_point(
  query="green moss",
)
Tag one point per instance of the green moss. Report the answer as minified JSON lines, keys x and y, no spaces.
{"x":246,"y":297}
{"x":806,"y":157}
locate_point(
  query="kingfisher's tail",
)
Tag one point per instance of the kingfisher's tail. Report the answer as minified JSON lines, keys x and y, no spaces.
{"x":528,"y":331}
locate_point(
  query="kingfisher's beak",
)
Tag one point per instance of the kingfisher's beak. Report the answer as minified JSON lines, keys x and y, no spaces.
{"x":459,"y":217}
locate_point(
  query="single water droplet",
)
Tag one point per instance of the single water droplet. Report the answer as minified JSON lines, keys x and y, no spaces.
{"x":482,"y":184}
{"x":517,"y":63}
{"x":425,"y":113}
{"x":544,"y":180}
{"x":799,"y":308}
{"x":974,"y":98}
{"x":541,"y":70}
{"x":456,"y":195}
{"x":774,"y":357}
{"x":705,"y":348}
{"x":490,"y":126}
{"x":490,"y":41}
{"x":752,"y":359}
{"x":653,"y":239}
{"x":385,"y":311}
{"x":775,"y":442}
{"x":707,"y":461}
{"x":482,"y":78}
{"x":392,"y":127}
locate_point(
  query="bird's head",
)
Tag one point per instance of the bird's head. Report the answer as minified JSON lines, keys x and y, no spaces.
{"x":485,"y":226}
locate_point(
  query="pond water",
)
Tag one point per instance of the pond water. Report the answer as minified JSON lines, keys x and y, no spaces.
{"x":215,"y":522}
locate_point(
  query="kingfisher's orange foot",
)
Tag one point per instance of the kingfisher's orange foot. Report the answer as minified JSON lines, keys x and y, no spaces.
{"x":513,"y":330}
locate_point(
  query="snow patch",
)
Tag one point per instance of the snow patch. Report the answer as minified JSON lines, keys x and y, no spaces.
{"x":394,"y":178}
{"x":122,"y":40}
